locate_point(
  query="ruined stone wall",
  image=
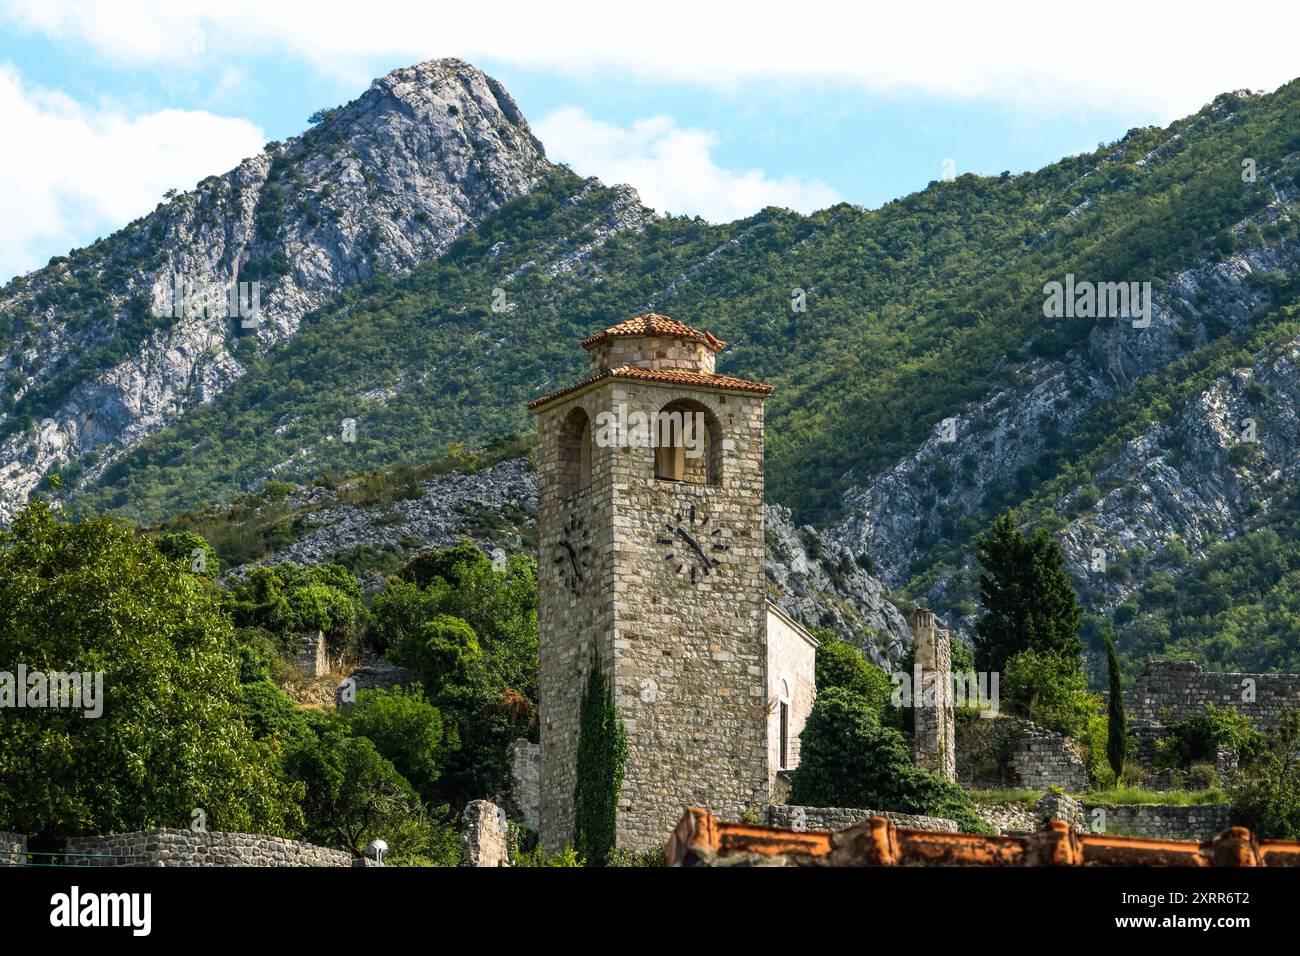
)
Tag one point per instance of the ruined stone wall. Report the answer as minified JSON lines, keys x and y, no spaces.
{"x":312,"y":656}
{"x":168,"y":847}
{"x":1014,"y":753}
{"x":486,"y":836}
{"x":525,"y":798}
{"x":687,"y":657}
{"x":13,"y":849}
{"x":841,"y":818}
{"x":1041,"y":759}
{"x":1163,"y":822}
{"x":791,"y":680}
{"x":1172,"y":691}
{"x":934,"y":742}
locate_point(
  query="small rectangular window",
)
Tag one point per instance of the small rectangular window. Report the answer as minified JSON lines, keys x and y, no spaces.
{"x":785,"y":736}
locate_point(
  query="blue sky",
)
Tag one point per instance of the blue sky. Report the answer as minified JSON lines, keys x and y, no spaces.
{"x":705,"y":110}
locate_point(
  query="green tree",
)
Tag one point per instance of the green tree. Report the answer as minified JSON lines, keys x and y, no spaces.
{"x":1116,"y":724}
{"x":1266,"y":797}
{"x":840,"y":664}
{"x":848,"y":759}
{"x":406,"y":729}
{"x":1028,"y":602}
{"x":95,"y":597}
{"x":602,"y":752}
{"x":1050,"y":690}
{"x":191,"y":548}
{"x":353,"y":794}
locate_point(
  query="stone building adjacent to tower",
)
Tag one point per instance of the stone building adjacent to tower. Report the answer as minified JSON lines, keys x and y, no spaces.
{"x":651,"y":563}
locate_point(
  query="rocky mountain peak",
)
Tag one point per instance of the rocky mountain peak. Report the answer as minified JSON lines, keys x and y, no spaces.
{"x":96,"y":355}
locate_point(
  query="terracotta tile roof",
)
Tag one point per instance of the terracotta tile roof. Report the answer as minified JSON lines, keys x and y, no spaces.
{"x":701,"y":840}
{"x":668,"y":376}
{"x":658,"y":326}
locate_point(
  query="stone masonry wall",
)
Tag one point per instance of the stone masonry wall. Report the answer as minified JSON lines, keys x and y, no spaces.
{"x":841,"y":818}
{"x":525,"y":783}
{"x":486,"y":835}
{"x":1172,"y":691}
{"x":312,"y":656}
{"x":1164,"y":822}
{"x":1041,"y":759}
{"x":934,"y":744}
{"x":687,"y":658}
{"x":13,"y":849}
{"x":168,"y":847}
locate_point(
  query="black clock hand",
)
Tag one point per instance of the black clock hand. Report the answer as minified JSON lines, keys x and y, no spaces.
{"x":694,"y":547}
{"x":573,"y":559}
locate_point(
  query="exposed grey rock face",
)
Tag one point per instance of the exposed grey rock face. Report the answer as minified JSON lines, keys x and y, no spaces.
{"x":445,"y":513}
{"x":813,"y":579}
{"x":1181,"y":482}
{"x":817,"y":582}
{"x":379,"y":184}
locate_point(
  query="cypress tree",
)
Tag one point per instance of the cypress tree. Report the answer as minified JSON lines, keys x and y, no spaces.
{"x":1116,"y":723}
{"x":602,"y":752}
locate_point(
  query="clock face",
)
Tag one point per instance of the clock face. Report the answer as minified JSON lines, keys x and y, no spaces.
{"x":571,"y":555}
{"x":692,"y":546}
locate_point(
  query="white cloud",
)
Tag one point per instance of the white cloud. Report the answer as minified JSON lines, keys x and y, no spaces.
{"x":672,"y":168}
{"x":70,"y":173}
{"x":1166,"y":61}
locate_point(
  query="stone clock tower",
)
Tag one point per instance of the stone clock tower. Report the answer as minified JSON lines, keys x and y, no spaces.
{"x":651,"y":559}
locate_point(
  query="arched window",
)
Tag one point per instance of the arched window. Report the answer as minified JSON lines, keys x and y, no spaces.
{"x":574,"y":453}
{"x":687,"y":444}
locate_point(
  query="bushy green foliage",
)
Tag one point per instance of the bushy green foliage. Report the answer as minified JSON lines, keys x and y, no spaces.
{"x":289,"y":599}
{"x":96,"y":597}
{"x":471,"y":632}
{"x":847,"y":759}
{"x":1266,"y":797}
{"x":1198,"y":738}
{"x":601,"y":754}
{"x":352,"y":794}
{"x":183,"y":545}
{"x":840,"y":664}
{"x":406,"y":729}
{"x":1052,"y":691}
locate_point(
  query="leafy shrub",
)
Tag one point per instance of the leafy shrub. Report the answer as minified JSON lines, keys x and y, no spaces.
{"x":847,"y":759}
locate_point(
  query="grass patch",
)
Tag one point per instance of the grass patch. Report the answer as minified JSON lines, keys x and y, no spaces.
{"x":1171,"y":798}
{"x":1025,"y":797}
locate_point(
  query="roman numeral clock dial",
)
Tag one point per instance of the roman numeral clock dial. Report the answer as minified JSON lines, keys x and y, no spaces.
{"x":571,"y":555}
{"x":692,"y":546}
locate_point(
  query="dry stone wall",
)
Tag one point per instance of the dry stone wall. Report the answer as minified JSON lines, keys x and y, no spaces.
{"x":525,"y":798}
{"x":169,"y":847}
{"x":1163,"y":822}
{"x":1172,"y":691}
{"x":1041,"y":759}
{"x":841,"y":818}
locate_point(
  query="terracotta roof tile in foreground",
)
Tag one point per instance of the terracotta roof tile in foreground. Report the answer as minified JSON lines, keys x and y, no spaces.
{"x":667,"y":376}
{"x":659,"y":326}
{"x":701,"y":840}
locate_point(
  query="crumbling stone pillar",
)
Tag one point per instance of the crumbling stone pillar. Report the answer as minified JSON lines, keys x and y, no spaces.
{"x":933,"y":727}
{"x":485,"y":836}
{"x":312,"y":654}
